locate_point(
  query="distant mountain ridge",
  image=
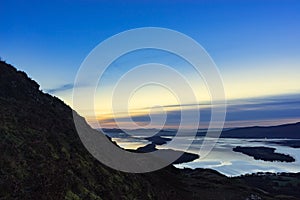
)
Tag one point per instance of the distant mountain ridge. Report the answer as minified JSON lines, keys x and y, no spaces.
{"x":288,"y":131}
{"x":284,"y":131}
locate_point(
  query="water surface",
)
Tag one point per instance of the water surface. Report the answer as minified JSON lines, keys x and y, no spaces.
{"x":223,"y":159}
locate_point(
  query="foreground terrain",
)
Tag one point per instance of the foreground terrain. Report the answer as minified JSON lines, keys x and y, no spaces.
{"x":42,"y":157}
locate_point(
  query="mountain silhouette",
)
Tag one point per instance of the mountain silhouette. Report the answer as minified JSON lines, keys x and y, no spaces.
{"x":288,"y":131}
{"x":42,"y":157}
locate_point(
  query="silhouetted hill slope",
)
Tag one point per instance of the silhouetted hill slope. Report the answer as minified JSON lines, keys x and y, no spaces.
{"x":42,"y":157}
{"x":290,"y":131}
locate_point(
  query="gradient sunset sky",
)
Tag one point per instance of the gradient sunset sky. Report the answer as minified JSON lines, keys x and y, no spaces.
{"x":255,"y":44}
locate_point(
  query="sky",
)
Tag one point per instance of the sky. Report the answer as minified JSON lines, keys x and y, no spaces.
{"x":255,"y":45}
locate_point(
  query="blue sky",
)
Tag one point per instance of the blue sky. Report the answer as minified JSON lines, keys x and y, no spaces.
{"x":255,"y":44}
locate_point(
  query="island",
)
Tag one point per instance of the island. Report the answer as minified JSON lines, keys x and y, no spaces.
{"x":158,"y":140}
{"x":184,"y":158}
{"x":264,"y":153}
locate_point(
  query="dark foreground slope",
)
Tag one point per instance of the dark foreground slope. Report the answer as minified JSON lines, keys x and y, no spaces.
{"x":42,"y":157}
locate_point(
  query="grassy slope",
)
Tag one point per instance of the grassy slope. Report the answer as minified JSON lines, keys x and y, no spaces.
{"x":42,"y":157}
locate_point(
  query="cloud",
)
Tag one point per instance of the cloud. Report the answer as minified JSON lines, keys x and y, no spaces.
{"x":267,"y":109}
{"x":60,"y":88}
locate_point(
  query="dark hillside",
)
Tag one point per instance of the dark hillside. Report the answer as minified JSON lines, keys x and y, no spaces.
{"x":42,"y":157}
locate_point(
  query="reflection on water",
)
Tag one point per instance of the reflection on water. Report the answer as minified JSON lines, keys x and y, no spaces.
{"x":223,"y":159}
{"x":231,"y":163}
{"x":130,"y":143}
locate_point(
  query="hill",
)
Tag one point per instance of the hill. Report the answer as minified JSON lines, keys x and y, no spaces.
{"x":289,"y":131}
{"x":42,"y":157}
